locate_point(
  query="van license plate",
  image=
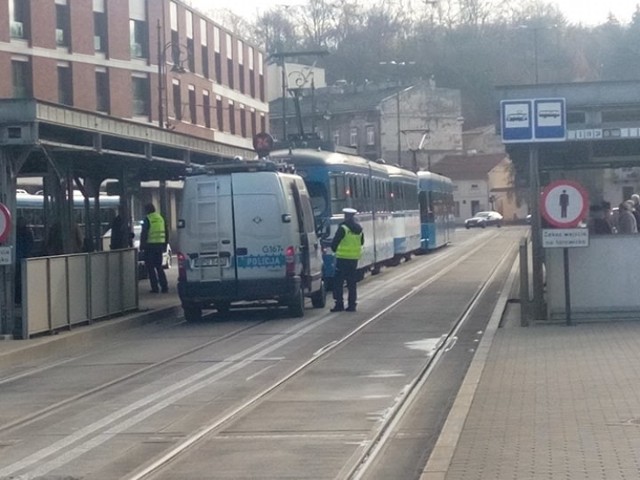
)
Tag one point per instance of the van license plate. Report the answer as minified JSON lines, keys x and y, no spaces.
{"x":211,"y":262}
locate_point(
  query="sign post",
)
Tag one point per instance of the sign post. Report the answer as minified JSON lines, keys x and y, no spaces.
{"x":564,"y":204}
{"x":534,"y":121}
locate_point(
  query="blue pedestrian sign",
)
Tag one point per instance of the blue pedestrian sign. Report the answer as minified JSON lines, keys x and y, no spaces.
{"x":516,"y":121}
{"x":533,"y":120}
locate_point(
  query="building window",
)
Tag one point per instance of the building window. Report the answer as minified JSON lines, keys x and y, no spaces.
{"x":336,"y":137}
{"x":102,"y":91}
{"x":254,"y":120}
{"x":65,"y":85}
{"x":177,"y":100}
{"x":263,"y":122}
{"x":371,"y":135}
{"x":243,"y":121}
{"x":138,"y":39}
{"x":252,"y":74}
{"x":141,"y":101}
{"x":204,"y":49}
{"x":217,"y":55}
{"x":19,"y":15}
{"x":261,"y":75}
{"x":21,"y":77}
{"x":206,"y":108}
{"x":192,"y":104}
{"x":241,"y":65}
{"x":229,"y":45}
{"x":62,"y":25}
{"x":219,"y":115}
{"x":99,"y":31}
{"x":353,"y":137}
{"x":232,"y":118}
{"x":190,"y":45}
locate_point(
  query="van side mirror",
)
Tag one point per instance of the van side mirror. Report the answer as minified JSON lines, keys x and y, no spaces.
{"x":286,"y":218}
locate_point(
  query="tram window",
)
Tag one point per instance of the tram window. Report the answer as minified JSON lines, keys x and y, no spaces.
{"x":338,"y":193}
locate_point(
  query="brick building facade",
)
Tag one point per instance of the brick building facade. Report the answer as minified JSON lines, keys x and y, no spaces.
{"x":135,"y":60}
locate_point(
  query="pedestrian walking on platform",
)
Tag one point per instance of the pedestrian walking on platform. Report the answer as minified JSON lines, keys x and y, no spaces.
{"x":626,"y":221}
{"x":154,"y":238}
{"x":347,"y":245}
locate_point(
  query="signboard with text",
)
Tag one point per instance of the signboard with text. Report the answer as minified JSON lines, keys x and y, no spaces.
{"x":565,"y":237}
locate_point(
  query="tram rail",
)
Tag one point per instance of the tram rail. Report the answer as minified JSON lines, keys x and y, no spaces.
{"x":40,"y":463}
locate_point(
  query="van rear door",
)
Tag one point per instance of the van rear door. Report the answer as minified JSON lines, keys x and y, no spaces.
{"x":262,"y":226}
{"x":209,"y":235}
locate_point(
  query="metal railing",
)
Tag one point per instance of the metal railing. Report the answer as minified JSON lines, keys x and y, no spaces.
{"x":61,"y":291}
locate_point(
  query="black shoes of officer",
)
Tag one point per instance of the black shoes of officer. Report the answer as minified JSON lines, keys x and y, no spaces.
{"x":340,"y":308}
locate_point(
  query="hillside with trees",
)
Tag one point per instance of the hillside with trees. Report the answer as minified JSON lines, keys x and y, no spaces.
{"x":470,"y":45}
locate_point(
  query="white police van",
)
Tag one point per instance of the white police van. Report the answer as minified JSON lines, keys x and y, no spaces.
{"x":246,"y":232}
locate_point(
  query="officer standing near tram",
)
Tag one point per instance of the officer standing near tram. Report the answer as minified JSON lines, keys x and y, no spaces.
{"x":347,"y":245}
{"x":153,"y":243}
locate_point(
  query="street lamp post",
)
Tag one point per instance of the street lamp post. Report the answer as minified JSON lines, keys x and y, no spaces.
{"x":281,"y":58}
{"x":398,"y":64}
{"x":536,"y":29}
{"x":163,"y":106}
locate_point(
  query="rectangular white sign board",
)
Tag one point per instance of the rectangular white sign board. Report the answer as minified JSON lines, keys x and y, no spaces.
{"x":5,"y":255}
{"x":565,"y":237}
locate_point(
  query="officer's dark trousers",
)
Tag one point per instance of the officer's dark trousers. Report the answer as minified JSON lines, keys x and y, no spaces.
{"x":153,"y":262}
{"x":346,"y":270}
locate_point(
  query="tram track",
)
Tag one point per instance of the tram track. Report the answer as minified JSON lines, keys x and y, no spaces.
{"x":376,"y":445}
{"x":149,"y":470}
{"x":260,"y":350}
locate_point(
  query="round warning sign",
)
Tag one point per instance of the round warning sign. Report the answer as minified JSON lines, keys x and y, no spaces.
{"x":564,"y":203}
{"x":5,"y":222}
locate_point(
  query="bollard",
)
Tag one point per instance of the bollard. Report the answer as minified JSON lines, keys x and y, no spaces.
{"x":525,"y":303}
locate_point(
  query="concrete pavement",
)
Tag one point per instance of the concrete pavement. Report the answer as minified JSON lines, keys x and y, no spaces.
{"x":151,"y":307}
{"x":541,"y":402}
{"x":548,"y":401}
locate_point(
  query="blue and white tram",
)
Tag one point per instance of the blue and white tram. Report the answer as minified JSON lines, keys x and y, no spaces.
{"x":336,"y":180}
{"x":435,"y":196}
{"x":406,"y":215}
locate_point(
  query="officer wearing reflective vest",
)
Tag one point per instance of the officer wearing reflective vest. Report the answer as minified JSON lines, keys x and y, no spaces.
{"x":347,"y":245}
{"x":153,"y":243}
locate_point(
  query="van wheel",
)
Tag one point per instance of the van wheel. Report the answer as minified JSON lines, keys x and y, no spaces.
{"x":296,"y":304}
{"x":319,"y":298}
{"x":192,"y":313}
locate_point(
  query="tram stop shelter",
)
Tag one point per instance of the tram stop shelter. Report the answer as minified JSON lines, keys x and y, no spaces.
{"x":74,"y":150}
{"x":600,"y":150}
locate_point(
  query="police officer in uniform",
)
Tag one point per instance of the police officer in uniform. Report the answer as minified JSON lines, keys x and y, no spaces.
{"x":347,"y":245}
{"x":153,"y":243}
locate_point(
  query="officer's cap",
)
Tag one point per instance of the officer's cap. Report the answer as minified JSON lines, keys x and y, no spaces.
{"x":350,"y":211}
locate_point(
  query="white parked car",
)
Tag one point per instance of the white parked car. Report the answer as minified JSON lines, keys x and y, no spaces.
{"x":484,"y":219}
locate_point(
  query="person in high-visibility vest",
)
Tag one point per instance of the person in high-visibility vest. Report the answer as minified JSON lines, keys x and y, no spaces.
{"x":347,"y":245}
{"x":153,"y":243}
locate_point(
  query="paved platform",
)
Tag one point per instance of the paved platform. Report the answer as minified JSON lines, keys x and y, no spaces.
{"x":546,"y":402}
{"x":151,"y":307}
